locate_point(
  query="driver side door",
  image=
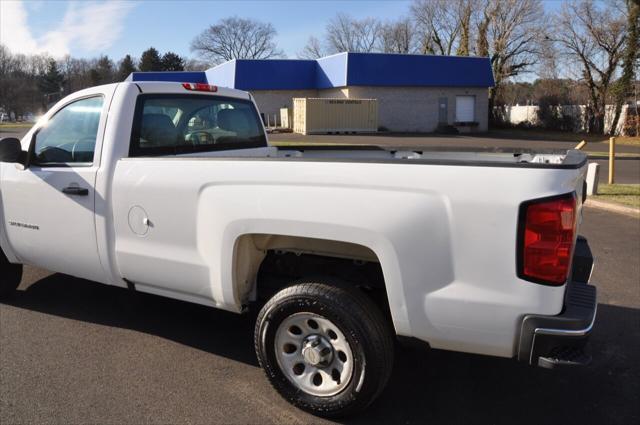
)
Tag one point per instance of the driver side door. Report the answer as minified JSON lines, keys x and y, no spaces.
{"x":49,"y":206}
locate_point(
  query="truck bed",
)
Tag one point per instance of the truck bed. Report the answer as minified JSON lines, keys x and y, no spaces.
{"x":486,"y":157}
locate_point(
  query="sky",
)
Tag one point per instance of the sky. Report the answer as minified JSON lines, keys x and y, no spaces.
{"x":116,"y":28}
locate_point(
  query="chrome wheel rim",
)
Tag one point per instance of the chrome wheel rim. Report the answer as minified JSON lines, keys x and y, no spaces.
{"x":314,"y":354}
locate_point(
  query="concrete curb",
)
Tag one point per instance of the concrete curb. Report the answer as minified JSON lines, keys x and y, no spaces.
{"x":610,"y":206}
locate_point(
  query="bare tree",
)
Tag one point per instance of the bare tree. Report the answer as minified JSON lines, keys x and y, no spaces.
{"x":513,"y":34}
{"x":465,"y":14}
{"x":592,"y":37}
{"x":28,"y":82}
{"x":438,"y":25}
{"x":19,"y":81}
{"x":345,"y":34}
{"x":483,"y":20}
{"x":548,"y":59}
{"x":195,"y":65}
{"x":398,"y":37}
{"x":10,"y":71}
{"x":236,"y":38}
{"x":631,"y":61}
{"x":312,"y":50}
{"x":76,"y":73}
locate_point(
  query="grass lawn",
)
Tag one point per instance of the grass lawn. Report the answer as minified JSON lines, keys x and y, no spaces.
{"x":12,"y":127}
{"x":16,"y":124}
{"x":625,"y":194}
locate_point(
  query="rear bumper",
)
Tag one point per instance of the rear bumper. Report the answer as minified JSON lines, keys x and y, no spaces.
{"x":552,"y":341}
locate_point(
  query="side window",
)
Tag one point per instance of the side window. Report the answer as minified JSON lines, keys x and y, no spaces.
{"x":70,"y":135}
{"x":181,"y":124}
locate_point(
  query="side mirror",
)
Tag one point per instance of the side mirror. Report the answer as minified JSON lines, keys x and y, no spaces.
{"x":11,"y":151}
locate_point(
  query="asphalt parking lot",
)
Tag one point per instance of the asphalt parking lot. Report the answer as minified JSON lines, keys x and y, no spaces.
{"x":494,"y":139}
{"x":73,"y":351}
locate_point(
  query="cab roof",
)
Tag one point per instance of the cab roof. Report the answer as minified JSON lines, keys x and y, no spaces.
{"x":164,"y":87}
{"x":169,"y":76}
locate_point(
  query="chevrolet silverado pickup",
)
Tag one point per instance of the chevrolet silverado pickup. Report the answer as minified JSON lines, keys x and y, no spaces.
{"x":173,"y":189}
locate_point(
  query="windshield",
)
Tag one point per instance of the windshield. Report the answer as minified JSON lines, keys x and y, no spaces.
{"x":174,"y":124}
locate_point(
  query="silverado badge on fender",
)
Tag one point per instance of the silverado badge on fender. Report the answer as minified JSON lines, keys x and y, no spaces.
{"x":24,"y":225}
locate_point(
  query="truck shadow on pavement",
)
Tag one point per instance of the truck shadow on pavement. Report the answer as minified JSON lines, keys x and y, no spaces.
{"x":194,"y":325}
{"x":426,"y":387}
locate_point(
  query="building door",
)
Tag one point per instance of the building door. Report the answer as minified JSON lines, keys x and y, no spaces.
{"x":443,"y":110}
{"x":465,"y":108}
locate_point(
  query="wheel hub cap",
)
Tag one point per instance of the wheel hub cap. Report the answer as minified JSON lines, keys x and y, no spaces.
{"x":317,"y":351}
{"x":314,"y":354}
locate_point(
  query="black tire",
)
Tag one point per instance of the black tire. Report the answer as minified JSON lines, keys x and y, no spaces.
{"x":10,"y":276}
{"x":368,"y":334}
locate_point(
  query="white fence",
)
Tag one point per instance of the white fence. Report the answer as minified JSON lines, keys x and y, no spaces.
{"x":529,"y":114}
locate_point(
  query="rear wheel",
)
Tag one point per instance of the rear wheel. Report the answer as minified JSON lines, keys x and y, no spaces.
{"x":10,"y":276}
{"x":326,"y":348}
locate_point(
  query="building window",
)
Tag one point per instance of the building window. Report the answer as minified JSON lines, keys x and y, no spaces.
{"x":465,"y":109}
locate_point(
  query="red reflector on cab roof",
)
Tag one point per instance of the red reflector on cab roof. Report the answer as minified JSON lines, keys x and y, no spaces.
{"x":200,"y":87}
{"x":546,"y":239}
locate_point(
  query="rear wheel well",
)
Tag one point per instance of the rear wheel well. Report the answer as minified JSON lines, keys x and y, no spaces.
{"x":265,"y":264}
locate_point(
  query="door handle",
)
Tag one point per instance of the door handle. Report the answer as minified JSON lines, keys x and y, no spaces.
{"x":75,"y":190}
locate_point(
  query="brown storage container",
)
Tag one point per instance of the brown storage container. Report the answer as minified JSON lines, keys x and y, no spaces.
{"x":322,"y":115}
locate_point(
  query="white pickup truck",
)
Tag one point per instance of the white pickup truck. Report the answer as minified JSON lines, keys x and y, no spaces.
{"x":173,"y":189}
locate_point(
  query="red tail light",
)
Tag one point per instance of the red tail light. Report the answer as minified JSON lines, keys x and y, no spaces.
{"x":200,"y":87}
{"x":546,"y":239}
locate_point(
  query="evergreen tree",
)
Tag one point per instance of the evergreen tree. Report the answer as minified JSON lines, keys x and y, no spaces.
{"x":172,"y":62}
{"x":126,"y":67}
{"x":52,"y":80}
{"x":150,"y":60}
{"x":102,"y":72}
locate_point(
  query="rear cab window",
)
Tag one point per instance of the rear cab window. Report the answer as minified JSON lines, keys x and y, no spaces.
{"x":174,"y":124}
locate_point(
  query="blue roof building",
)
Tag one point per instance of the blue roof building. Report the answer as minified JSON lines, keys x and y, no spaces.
{"x":353,"y":69}
{"x":415,"y":93}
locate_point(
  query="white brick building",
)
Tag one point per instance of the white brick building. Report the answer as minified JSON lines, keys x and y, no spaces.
{"x":415,"y":93}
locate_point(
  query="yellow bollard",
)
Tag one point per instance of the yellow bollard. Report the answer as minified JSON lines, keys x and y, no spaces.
{"x":612,"y":157}
{"x":581,"y":145}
